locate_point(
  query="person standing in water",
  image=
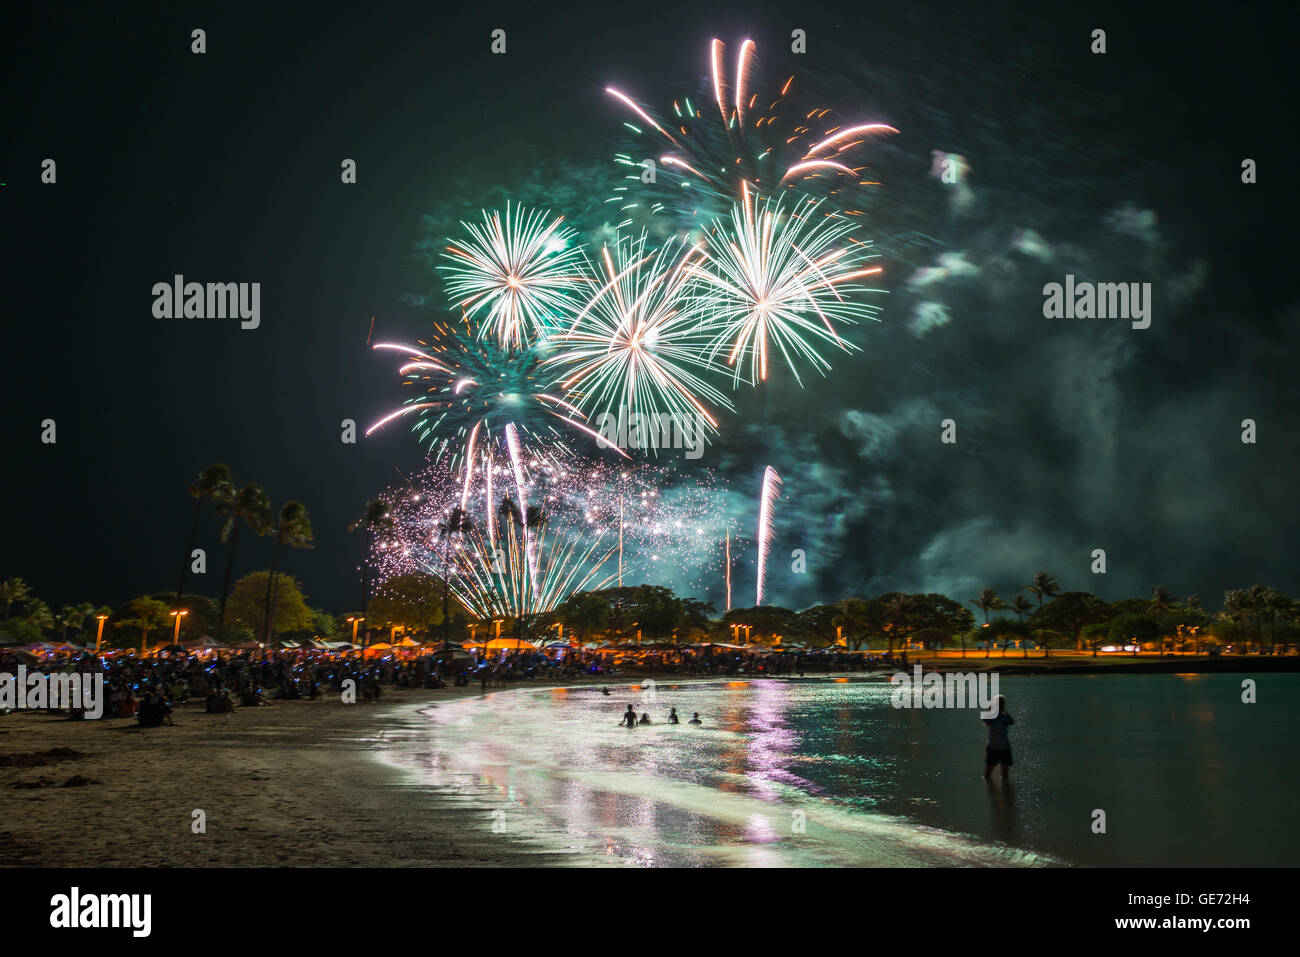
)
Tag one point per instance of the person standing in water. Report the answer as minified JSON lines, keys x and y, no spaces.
{"x":672,"y":716}
{"x":999,"y":746}
{"x":629,"y":717}
{"x":695,"y":718}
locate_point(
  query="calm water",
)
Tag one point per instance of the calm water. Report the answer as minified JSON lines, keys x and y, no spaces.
{"x":1186,"y":773}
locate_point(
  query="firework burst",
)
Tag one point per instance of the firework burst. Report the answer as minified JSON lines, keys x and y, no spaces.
{"x":658,"y":525}
{"x":637,"y":346}
{"x":470,"y":393}
{"x":517,"y":274}
{"x":777,"y":277}
{"x":733,"y":133}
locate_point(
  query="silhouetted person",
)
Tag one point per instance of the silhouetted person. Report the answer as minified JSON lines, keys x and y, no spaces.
{"x":672,"y":716}
{"x":999,"y":746}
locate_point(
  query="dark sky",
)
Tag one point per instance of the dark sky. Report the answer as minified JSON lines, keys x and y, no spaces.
{"x":225,"y":167}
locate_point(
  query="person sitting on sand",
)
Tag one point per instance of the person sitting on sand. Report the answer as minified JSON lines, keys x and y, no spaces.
{"x":672,"y":716}
{"x":629,"y":717}
{"x":695,"y":718}
{"x":999,"y":746}
{"x":154,"y":711}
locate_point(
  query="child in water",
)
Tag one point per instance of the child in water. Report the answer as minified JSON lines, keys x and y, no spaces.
{"x":645,"y":718}
{"x":672,"y":716}
{"x":629,"y":717}
{"x":695,"y":718}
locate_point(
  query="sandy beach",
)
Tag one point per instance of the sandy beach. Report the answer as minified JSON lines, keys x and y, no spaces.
{"x":289,"y":784}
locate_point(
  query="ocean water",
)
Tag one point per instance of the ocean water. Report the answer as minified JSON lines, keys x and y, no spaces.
{"x":828,"y":773}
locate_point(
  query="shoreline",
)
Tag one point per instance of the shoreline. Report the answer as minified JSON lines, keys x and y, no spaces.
{"x":294,"y":783}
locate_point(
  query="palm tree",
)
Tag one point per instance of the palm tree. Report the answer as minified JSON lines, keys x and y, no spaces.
{"x":214,"y":484}
{"x":1159,"y":606}
{"x":987,"y":601}
{"x":1193,"y":604}
{"x":1236,"y":606}
{"x":294,"y":530}
{"x":39,"y":614}
{"x":1257,"y":598}
{"x":1091,"y":609}
{"x":528,"y":522}
{"x":249,"y":506}
{"x":1021,"y":606}
{"x":1161,"y":600}
{"x":1043,"y":586}
{"x":458,"y":523}
{"x":1273,"y":603}
{"x":73,"y":618}
{"x":14,"y":590}
{"x":374,"y":521}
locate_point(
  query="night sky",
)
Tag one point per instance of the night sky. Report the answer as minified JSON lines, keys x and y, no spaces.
{"x":1072,"y":434}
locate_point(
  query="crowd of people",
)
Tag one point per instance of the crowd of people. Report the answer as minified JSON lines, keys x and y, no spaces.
{"x":147,"y":689}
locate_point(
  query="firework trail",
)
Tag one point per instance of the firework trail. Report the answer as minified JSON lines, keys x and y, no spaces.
{"x":514,"y":578}
{"x":781,"y":277}
{"x":517,"y":274}
{"x":746,"y":136}
{"x":637,"y":346}
{"x":767,"y":502}
{"x":521,"y":487}
{"x":727,"y":560}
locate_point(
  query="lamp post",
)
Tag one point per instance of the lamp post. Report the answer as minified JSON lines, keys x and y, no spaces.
{"x":99,"y":635}
{"x":177,"y":614}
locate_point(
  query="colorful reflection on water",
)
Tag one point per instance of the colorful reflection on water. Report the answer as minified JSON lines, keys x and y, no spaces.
{"x":826,"y":773}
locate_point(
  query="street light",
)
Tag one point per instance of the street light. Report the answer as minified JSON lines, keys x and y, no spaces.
{"x":355,"y":621}
{"x":178,"y":614}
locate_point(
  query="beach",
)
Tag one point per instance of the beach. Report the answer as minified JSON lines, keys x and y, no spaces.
{"x":289,"y":784}
{"x":314,"y":783}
